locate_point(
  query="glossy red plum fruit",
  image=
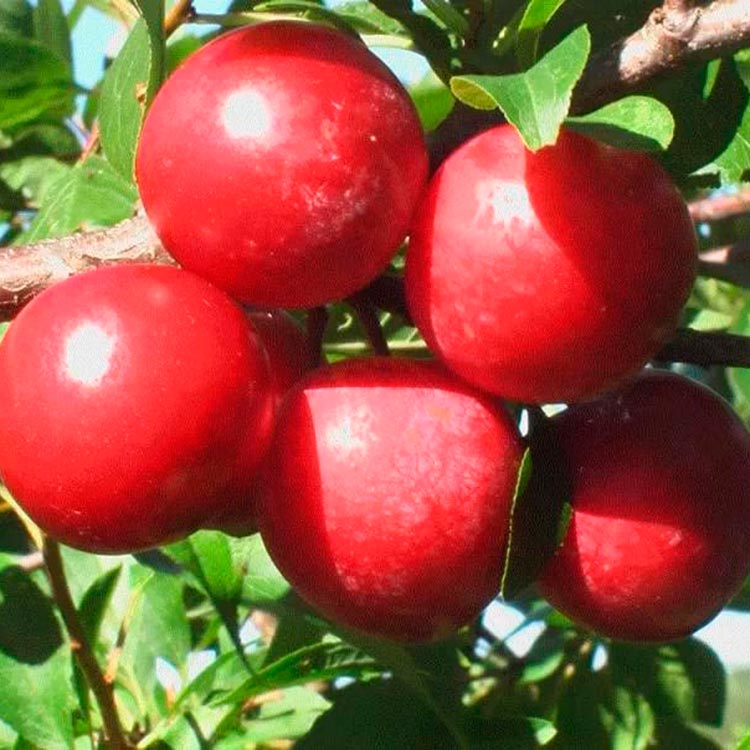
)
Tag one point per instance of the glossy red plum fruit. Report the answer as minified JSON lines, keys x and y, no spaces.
{"x":135,"y":401}
{"x":282,"y":162}
{"x":285,"y":342}
{"x":659,"y":537}
{"x":388,"y":492}
{"x":549,"y":276}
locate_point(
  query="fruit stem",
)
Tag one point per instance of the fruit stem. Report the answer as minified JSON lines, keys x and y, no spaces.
{"x":81,"y":647}
{"x":368,"y":318}
{"x":317,"y":320}
{"x":178,"y":14}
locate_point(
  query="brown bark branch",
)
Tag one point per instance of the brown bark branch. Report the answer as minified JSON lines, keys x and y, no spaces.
{"x":702,"y":348}
{"x":675,"y":35}
{"x":81,"y":647}
{"x":26,"y":270}
{"x":718,"y":207}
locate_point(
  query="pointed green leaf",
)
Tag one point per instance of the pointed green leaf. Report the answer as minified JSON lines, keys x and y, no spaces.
{"x":208,"y":556}
{"x":33,"y":176}
{"x":537,"y":101}
{"x":35,"y":665}
{"x":95,"y":602}
{"x":153,"y":14}
{"x":16,"y":17}
{"x":534,"y":19}
{"x":321,"y":661}
{"x":684,"y":680}
{"x":261,"y":579}
{"x":51,"y":28}
{"x":432,"y":99}
{"x":34,"y":82}
{"x":122,"y":105}
{"x":540,"y":513}
{"x":290,"y":716}
{"x":158,"y":628}
{"x":449,"y":16}
{"x":636,"y":122}
{"x":90,"y":194}
{"x":380,"y":715}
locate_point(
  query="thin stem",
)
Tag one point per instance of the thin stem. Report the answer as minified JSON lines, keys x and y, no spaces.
{"x":368,"y":318}
{"x":317,"y":321}
{"x":81,"y":647}
{"x":181,"y":12}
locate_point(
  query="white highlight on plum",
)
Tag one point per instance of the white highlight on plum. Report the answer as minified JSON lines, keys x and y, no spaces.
{"x":246,"y":114}
{"x":503,"y":199}
{"x":88,"y":354}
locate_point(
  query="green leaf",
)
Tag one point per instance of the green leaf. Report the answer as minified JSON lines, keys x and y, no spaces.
{"x":158,"y":628}
{"x":208,"y":556}
{"x":429,"y":38}
{"x":51,"y":28}
{"x":744,"y":743}
{"x":673,"y":735}
{"x":367,"y":19}
{"x":42,"y":139}
{"x":709,"y":105}
{"x":34,"y":83}
{"x":733,"y":164}
{"x":534,"y":19}
{"x":628,"y":719}
{"x":152,"y":12}
{"x":35,"y":665}
{"x":16,"y":17}
{"x":432,"y":99}
{"x":578,"y":719}
{"x":33,"y":176}
{"x":636,"y":122}
{"x":95,"y":602}
{"x":261,"y":580}
{"x":537,"y":101}
{"x":684,"y":680}
{"x":539,"y":513}
{"x":428,"y":671}
{"x":291,"y":715}
{"x":512,"y":733}
{"x":522,"y":481}
{"x":380,"y":715}
{"x":122,"y":105}
{"x":90,"y":194}
{"x":321,"y":661}
{"x":449,"y":16}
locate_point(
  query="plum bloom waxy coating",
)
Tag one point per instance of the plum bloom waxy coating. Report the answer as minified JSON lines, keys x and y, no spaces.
{"x":282,"y":162}
{"x":388,"y":493}
{"x":659,"y":537}
{"x":136,"y":403}
{"x":549,"y":276}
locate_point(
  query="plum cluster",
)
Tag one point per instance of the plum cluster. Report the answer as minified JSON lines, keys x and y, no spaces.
{"x":283,"y":165}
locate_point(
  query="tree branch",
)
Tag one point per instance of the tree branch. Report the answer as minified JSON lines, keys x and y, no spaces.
{"x":26,"y":270}
{"x":701,"y":348}
{"x":721,"y":206}
{"x":676,"y":34}
{"x":81,"y":647}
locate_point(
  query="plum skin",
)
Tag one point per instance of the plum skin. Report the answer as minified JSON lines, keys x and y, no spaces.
{"x":284,"y":189}
{"x":388,"y":491}
{"x":659,"y":537}
{"x":289,"y":359}
{"x":136,"y":403}
{"x":550,"y":276}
